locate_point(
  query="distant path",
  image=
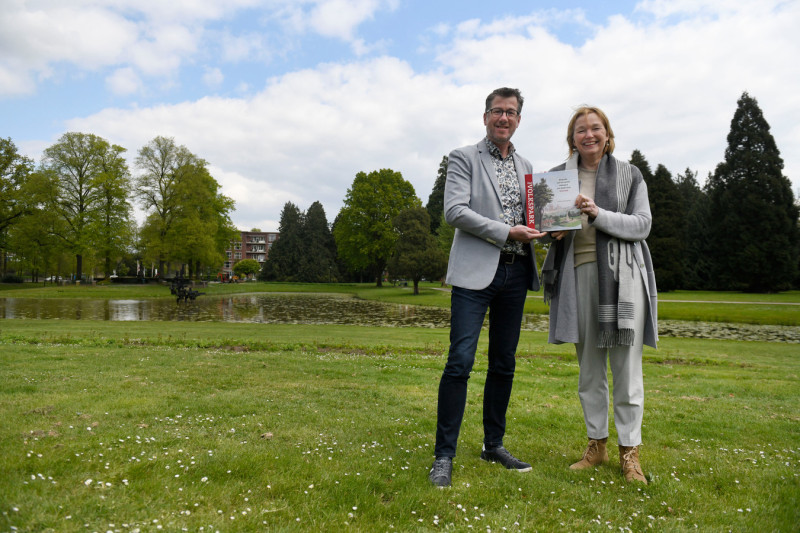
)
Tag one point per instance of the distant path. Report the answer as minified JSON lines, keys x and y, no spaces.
{"x":712,"y":302}
{"x":729,"y":302}
{"x":676,"y":301}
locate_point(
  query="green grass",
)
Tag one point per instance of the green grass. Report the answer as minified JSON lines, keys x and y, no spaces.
{"x":779,"y":309}
{"x":241,"y":427}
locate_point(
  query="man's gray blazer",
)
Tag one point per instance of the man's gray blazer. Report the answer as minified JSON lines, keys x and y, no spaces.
{"x":472,"y":205}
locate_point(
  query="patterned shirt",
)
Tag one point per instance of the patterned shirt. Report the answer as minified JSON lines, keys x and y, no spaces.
{"x":513,"y":213}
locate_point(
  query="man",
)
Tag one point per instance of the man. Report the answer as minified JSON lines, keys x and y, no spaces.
{"x":492,"y":266}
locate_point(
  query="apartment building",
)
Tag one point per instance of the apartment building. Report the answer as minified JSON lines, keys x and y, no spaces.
{"x":251,"y":245}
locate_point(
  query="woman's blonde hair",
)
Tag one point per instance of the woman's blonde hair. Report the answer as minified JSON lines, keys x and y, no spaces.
{"x":582,"y":111}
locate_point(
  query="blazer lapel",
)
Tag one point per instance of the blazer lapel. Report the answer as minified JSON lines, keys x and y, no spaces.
{"x":488,"y":167}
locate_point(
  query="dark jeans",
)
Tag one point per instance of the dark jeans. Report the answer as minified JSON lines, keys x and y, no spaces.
{"x":505,"y":299}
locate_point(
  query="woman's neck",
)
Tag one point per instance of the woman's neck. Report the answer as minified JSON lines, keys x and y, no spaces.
{"x":589,"y":164}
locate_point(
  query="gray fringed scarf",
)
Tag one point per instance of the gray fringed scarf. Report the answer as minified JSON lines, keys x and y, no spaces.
{"x":615,"y":268}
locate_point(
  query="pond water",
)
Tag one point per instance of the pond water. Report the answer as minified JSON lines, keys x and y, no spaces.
{"x":267,"y":308}
{"x":294,"y":308}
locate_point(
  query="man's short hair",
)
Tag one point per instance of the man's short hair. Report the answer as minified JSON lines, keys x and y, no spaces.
{"x":505,"y":92}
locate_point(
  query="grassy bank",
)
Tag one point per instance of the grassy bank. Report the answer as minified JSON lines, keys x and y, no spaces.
{"x":778,"y":309}
{"x":241,"y":427}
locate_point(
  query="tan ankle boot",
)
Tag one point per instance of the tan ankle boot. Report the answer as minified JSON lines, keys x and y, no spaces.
{"x":594,"y":455}
{"x":629,"y":461}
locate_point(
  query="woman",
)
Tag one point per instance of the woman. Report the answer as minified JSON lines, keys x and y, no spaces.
{"x":600,"y":285}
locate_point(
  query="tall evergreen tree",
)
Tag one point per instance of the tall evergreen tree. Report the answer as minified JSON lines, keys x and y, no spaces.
{"x":444,"y":238}
{"x":319,"y":259}
{"x":638,"y":160}
{"x":696,"y":263}
{"x":286,"y":253}
{"x":752,"y":215}
{"x":666,"y":233}
{"x":435,"y":206}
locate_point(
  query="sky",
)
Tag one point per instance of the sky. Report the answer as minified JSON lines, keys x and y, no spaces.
{"x":287,"y":100}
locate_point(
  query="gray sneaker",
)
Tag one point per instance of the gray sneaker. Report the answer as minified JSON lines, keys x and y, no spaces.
{"x":504,"y":457}
{"x":441,"y":471}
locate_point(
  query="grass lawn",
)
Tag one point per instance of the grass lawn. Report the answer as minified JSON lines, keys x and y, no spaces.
{"x":124,"y":426}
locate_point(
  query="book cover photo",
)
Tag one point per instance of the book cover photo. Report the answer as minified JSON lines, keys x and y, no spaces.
{"x":550,"y":200}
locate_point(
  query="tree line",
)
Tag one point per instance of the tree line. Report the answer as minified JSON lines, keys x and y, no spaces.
{"x":75,"y":209}
{"x":739,"y":231}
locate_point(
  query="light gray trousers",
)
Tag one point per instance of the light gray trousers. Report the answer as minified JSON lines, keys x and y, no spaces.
{"x":625,"y":361}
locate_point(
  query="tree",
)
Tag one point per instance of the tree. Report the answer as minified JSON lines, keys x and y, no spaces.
{"x":694,"y":210}
{"x":347,"y":273}
{"x":666,"y":242}
{"x":246,"y":268}
{"x":364,"y":233}
{"x":542,"y":195}
{"x":305,"y":251}
{"x":162,"y":164}
{"x":15,"y":170}
{"x":188,"y":219}
{"x":114,"y":223}
{"x":435,"y":205}
{"x":75,"y":166}
{"x":319,"y":260}
{"x":34,"y":240}
{"x":638,"y":160}
{"x":287,"y":252}
{"x":752,"y":215}
{"x":445,"y":234}
{"x":202,"y":226}
{"x":417,"y":253}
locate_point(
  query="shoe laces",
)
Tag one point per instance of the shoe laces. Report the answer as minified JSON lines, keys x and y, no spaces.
{"x":592,"y":449}
{"x":440,"y":467}
{"x":629,"y":459}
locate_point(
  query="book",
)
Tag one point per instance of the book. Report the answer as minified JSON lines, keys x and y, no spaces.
{"x":550,"y":200}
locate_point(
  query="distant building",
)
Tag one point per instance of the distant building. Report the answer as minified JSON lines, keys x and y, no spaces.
{"x":251,"y":245}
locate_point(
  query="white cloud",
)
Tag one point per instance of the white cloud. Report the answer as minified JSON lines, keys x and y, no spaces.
{"x":339,"y":18}
{"x":124,"y":81}
{"x":244,"y":46}
{"x":157,"y":38}
{"x":15,"y":81}
{"x":213,"y":77}
{"x":33,"y":41}
{"x":670,"y":87}
{"x":308,"y":133}
{"x":163,"y":48}
{"x":669,"y":79}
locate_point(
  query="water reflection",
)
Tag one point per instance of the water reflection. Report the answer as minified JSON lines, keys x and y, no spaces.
{"x":292,"y":308}
{"x":266,"y":308}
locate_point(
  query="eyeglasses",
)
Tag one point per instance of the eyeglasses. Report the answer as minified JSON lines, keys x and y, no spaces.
{"x":496,"y":112}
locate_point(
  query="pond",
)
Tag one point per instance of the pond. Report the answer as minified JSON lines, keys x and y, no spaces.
{"x":299,"y":308}
{"x":266,"y":308}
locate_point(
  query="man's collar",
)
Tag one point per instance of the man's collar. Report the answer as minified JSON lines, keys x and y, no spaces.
{"x":495,"y":151}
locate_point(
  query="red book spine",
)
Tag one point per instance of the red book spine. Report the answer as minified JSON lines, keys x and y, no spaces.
{"x":529,"y":201}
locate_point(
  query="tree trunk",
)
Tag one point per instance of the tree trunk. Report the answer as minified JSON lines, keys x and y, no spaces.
{"x":78,"y":267}
{"x":379,"y":273}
